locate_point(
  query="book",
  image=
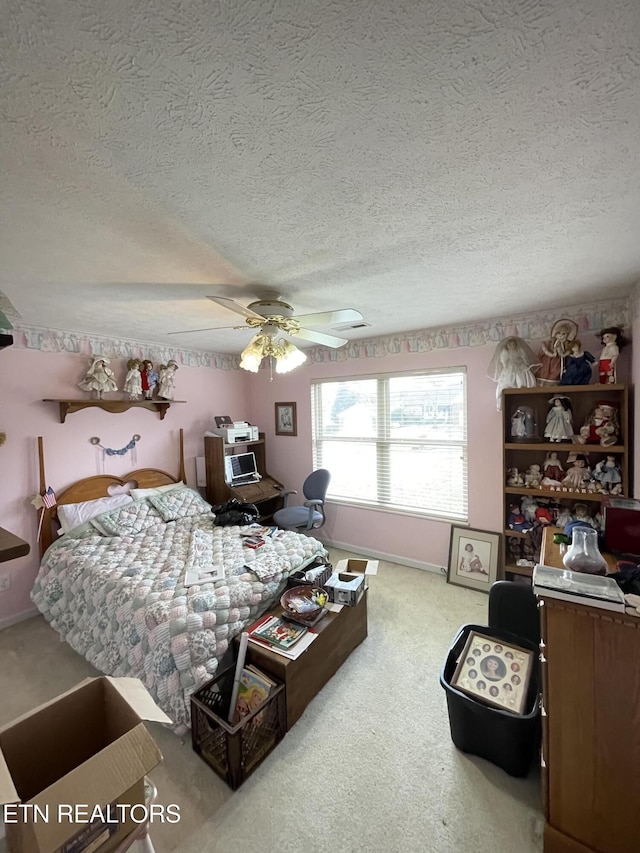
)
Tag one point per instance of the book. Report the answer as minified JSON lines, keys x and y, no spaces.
{"x":262,"y":675}
{"x":291,"y":654}
{"x":278,"y":632}
{"x":579,"y":587}
{"x":253,"y":690}
{"x":253,"y":542}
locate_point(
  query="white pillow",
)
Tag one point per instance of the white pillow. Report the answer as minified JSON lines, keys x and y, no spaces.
{"x":136,"y":494}
{"x":71,"y":515}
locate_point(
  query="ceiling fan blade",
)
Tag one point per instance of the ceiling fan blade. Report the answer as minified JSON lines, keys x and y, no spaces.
{"x":320,"y":338}
{"x":232,"y":305}
{"x":328,"y":318}
{"x":208,"y":329}
{"x":188,"y":331}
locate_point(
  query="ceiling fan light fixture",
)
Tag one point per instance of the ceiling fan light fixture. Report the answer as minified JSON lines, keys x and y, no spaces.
{"x":290,"y":357}
{"x":253,"y":354}
{"x":262,"y":345}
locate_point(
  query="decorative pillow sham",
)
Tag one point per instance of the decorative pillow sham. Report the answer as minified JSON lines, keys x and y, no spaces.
{"x":184,"y":503}
{"x":137,"y":494}
{"x":127,"y":520}
{"x":73,"y":515}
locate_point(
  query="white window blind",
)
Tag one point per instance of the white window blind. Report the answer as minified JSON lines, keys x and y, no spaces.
{"x":396,"y":441}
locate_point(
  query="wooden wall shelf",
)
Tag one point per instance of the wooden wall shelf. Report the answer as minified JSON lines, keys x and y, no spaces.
{"x":11,"y":546}
{"x":68,"y":407}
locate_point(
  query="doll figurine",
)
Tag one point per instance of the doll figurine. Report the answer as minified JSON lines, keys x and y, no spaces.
{"x":581,"y":514}
{"x":529,"y":507}
{"x":612,"y":340}
{"x":133,"y":379}
{"x":564,"y":517}
{"x":516,"y":519}
{"x":607,"y":474}
{"x":578,"y":476}
{"x":533,"y":476}
{"x":554,"y":351}
{"x":514,"y":477}
{"x":166,"y":388}
{"x":523,"y":424}
{"x":99,"y":378}
{"x":511,"y":366}
{"x":601,"y":427}
{"x":559,"y":419}
{"x":149,"y":379}
{"x":518,"y":429}
{"x":552,"y":468}
{"x":577,"y":366}
{"x":543,"y":515}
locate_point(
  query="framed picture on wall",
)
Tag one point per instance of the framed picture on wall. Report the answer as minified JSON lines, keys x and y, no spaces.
{"x":473,"y":558}
{"x":286,"y":419}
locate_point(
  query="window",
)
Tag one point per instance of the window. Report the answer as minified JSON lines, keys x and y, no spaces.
{"x":398,"y":442}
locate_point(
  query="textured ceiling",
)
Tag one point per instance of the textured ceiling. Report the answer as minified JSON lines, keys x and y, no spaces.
{"x":424,"y":162}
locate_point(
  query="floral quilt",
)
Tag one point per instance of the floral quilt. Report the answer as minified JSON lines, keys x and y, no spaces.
{"x":120,"y":599}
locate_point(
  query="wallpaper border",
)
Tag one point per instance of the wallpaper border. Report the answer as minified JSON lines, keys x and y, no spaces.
{"x":533,"y":327}
{"x":56,"y":340}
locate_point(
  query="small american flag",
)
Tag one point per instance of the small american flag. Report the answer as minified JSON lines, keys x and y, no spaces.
{"x":49,"y":498}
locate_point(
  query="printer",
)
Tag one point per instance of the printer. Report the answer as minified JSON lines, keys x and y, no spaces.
{"x":237,"y":431}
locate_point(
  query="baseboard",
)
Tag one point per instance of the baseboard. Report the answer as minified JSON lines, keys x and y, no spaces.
{"x":19,"y":617}
{"x":391,"y":558}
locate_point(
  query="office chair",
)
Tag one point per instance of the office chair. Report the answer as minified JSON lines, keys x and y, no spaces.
{"x":309,"y":516}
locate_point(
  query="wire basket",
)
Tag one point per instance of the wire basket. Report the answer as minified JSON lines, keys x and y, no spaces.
{"x":234,"y":751}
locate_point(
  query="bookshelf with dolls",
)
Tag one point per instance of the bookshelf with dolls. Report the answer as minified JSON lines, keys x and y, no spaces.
{"x":565,"y":448}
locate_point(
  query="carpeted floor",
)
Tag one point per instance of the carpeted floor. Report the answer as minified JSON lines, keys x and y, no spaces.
{"x":369,"y":767}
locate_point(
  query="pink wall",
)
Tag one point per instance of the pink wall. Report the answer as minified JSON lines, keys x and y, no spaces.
{"x":29,"y":376}
{"x":413,"y":539}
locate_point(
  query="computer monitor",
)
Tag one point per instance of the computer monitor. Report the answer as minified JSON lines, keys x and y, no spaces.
{"x":240,"y":465}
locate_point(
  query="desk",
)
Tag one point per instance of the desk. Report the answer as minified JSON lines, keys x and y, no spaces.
{"x":12,"y":546}
{"x":590,"y":723}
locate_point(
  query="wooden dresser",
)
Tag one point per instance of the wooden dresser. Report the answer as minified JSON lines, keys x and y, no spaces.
{"x":590,"y":725}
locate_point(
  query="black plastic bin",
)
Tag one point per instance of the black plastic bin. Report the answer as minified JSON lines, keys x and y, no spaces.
{"x":506,"y":739}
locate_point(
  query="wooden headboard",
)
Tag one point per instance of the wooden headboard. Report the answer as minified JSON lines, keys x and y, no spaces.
{"x":99,"y":487}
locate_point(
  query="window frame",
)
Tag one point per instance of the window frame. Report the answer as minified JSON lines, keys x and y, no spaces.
{"x":384,"y":443}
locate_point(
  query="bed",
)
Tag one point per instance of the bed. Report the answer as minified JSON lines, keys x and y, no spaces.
{"x":114,"y":585}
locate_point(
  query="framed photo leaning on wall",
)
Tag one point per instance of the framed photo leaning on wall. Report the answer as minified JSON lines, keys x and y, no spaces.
{"x":473,"y":558}
{"x":286,"y":419}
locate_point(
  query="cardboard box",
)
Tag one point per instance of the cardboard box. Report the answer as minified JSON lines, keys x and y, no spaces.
{"x":344,"y":588}
{"x":86,"y":750}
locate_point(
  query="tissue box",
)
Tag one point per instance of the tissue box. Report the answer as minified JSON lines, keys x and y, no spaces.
{"x":358,"y":567}
{"x":344,"y":588}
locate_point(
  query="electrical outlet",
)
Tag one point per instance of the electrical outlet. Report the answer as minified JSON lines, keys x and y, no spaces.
{"x":5,"y":583}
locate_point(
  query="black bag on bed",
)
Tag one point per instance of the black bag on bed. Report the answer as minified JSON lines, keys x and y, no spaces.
{"x":235,"y":512}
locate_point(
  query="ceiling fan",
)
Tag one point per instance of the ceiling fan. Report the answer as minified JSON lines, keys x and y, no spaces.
{"x":272,"y":316}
